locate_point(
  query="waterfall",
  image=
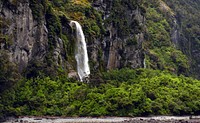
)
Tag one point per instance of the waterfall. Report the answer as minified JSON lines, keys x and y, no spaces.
{"x":175,"y":33}
{"x":144,"y":63}
{"x":81,"y":55}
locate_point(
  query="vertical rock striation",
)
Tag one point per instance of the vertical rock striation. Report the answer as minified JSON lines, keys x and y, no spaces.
{"x":122,"y":41}
{"x":28,"y":38}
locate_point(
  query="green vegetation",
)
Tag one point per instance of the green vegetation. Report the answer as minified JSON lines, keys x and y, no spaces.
{"x":123,"y":92}
{"x":123,"y":23}
{"x":187,"y":15}
{"x":54,"y":27}
{"x":5,"y":38}
{"x":9,"y":74}
{"x":160,"y":51}
{"x":131,"y":41}
{"x":38,"y":8}
{"x":8,"y":71}
{"x":81,"y":11}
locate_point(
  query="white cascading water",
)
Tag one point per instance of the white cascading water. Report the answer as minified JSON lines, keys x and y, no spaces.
{"x":144,"y":63}
{"x":81,"y":55}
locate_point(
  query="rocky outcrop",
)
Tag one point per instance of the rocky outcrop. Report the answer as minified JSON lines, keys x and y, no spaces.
{"x":121,"y":44}
{"x":28,"y":38}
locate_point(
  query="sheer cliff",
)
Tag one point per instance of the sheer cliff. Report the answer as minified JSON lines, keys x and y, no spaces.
{"x":187,"y":19}
{"x":37,"y":37}
{"x":182,"y":28}
{"x":37,"y":40}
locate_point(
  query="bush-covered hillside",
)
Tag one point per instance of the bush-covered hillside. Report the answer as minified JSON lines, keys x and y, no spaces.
{"x":187,"y":15}
{"x":161,"y":51}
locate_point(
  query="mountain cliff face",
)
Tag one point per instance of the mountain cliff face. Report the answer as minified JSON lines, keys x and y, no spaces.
{"x":187,"y":20}
{"x":38,"y":36}
{"x":121,"y":44}
{"x":21,"y":35}
{"x":37,"y":39}
{"x":38,"y":66}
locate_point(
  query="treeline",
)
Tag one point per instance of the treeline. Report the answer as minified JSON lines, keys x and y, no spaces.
{"x":125,"y":92}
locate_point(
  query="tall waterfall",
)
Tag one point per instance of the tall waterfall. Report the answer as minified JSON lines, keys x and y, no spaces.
{"x":81,"y":55}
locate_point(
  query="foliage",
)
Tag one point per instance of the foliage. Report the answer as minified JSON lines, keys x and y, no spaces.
{"x":81,"y":11}
{"x":120,"y":20}
{"x":9,"y":73}
{"x":38,"y":8}
{"x":54,"y":27}
{"x":124,"y":92}
{"x":187,"y":15}
{"x":5,"y":39}
{"x":160,"y":51}
{"x":131,"y":41}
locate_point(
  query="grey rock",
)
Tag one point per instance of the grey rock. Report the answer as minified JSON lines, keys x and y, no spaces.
{"x":29,"y":39}
{"x":116,"y":54}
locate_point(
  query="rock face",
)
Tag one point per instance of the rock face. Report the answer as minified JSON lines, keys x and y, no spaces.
{"x":122,"y":42}
{"x":29,"y":33}
{"x":28,"y":38}
{"x":186,"y":31}
{"x":25,"y":37}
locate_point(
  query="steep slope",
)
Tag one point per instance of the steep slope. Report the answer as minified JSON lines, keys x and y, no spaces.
{"x":38,"y":39}
{"x":123,"y":21}
{"x":160,"y":46}
{"x":187,"y":13}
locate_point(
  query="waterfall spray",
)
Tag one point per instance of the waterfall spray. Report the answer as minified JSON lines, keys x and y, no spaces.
{"x":81,"y":55}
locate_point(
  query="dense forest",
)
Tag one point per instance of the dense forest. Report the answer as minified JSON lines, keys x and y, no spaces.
{"x":124,"y":92}
{"x":143,"y":56}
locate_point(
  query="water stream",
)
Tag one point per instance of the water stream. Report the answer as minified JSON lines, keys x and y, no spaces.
{"x":81,"y":54}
